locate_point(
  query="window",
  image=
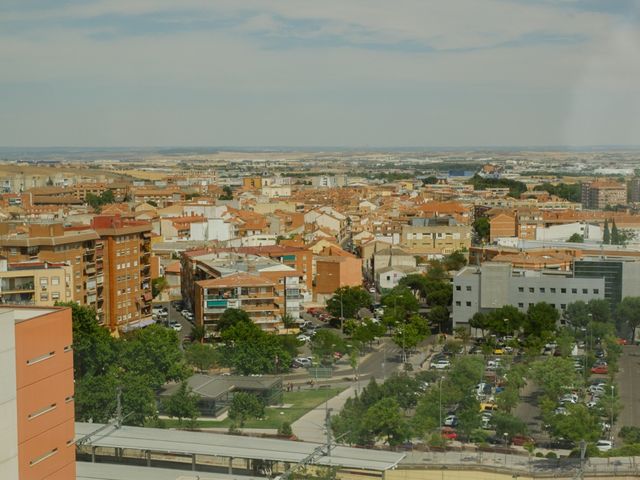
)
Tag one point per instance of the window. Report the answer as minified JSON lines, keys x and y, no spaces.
{"x":585,"y":291}
{"x":43,"y":457}
{"x":55,"y":280}
{"x":563,"y":306}
{"x":563,"y":290}
{"x":552,"y":290}
{"x":44,"y":297}
{"x":44,"y":282}
{"x":40,"y":358}
{"x":521,"y":289}
{"x":531,"y":289}
{"x":521,"y":305}
{"x":596,"y":291}
{"x":468,"y":288}
{"x":55,"y":295}
{"x":542,"y":290}
{"x":468,"y":304}
{"x":41,"y":411}
{"x":458,"y":303}
{"x":574,"y":290}
{"x":458,"y":288}
{"x":531,"y":304}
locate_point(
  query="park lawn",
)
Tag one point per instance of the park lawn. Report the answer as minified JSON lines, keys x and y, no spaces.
{"x":300,"y":403}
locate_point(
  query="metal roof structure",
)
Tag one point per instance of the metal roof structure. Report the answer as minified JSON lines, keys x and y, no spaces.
{"x":231,"y":446}
{"x":110,"y":471}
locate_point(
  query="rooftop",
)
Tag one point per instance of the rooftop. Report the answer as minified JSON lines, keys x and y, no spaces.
{"x":222,"y":445}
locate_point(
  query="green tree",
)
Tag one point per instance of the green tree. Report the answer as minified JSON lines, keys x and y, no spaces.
{"x":509,"y":424}
{"x":94,"y":350}
{"x":347,"y":301}
{"x":243,"y":407}
{"x":580,"y":423}
{"x":482,"y":228}
{"x":552,"y":375}
{"x":479,"y":321}
{"x":158,"y":285}
{"x":455,"y":261}
{"x":231,"y":317}
{"x":399,"y":304}
{"x":325,"y":342}
{"x":464,"y":335}
{"x":615,"y":234}
{"x":606,"y":235}
{"x":600,"y":310}
{"x":154,"y":353}
{"x":576,"y":238}
{"x":285,"y":429}
{"x":576,"y":315}
{"x":182,"y":404}
{"x":198,"y":333}
{"x":249,"y":350}
{"x":628,"y":313}
{"x":541,"y":320}
{"x":201,"y":356}
{"x":386,"y":422}
{"x":227,"y":193}
{"x":439,"y":316}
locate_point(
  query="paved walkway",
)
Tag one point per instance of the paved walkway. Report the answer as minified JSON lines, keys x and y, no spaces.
{"x":629,"y":386}
{"x":310,"y":427}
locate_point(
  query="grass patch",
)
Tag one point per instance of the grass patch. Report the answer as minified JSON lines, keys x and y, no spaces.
{"x":301,"y":402}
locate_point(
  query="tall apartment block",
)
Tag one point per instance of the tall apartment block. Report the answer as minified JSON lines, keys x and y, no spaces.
{"x":36,"y":394}
{"x":127,"y":247}
{"x":600,"y":194}
{"x":81,"y":248}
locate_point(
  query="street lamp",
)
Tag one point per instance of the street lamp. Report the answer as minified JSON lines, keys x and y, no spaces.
{"x":611,"y":424}
{"x":506,"y":435}
{"x":440,"y":402}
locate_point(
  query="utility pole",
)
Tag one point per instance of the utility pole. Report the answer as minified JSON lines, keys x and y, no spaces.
{"x":327,"y":426}
{"x":119,"y":407}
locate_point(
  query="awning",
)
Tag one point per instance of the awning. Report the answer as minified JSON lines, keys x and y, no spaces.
{"x":138,"y":324}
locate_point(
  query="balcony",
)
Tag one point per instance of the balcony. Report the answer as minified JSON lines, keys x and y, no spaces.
{"x":9,"y":285}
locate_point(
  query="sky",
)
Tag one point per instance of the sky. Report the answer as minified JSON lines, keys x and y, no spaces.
{"x":352,"y":73}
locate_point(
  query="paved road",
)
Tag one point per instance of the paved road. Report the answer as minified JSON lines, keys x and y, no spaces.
{"x":629,"y":385}
{"x":176,"y":316}
{"x":311,"y":426}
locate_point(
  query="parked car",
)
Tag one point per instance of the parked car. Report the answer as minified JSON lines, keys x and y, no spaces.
{"x":449,"y":433}
{"x":520,"y":440}
{"x":303,"y":338}
{"x":600,"y":369}
{"x":176,"y":326}
{"x":441,"y":364}
{"x":451,"y":421}
{"x":604,"y":445}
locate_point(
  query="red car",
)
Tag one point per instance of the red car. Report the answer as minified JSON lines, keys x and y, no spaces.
{"x":520,"y":440}
{"x":600,"y":370}
{"x":449,"y":433}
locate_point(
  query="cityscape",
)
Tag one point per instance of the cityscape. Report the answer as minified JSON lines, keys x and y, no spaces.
{"x":339,"y":240}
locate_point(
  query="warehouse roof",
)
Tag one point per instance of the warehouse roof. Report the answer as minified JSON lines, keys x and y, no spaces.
{"x":106,"y":471}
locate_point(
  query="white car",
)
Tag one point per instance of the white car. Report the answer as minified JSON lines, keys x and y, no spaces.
{"x":176,"y":326}
{"x":304,"y":361}
{"x":451,"y":421}
{"x":303,"y":338}
{"x":372,"y":290}
{"x":604,"y":445}
{"x":441,"y":364}
{"x":596,"y":389}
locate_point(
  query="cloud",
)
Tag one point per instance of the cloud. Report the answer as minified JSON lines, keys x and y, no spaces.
{"x":411,"y":71}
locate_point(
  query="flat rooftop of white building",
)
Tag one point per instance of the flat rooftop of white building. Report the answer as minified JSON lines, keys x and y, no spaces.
{"x":22,"y":314}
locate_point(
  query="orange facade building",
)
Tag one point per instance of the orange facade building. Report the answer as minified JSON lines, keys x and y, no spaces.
{"x":36,"y":394}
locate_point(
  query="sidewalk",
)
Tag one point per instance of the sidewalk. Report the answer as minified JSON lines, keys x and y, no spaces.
{"x":310,"y":427}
